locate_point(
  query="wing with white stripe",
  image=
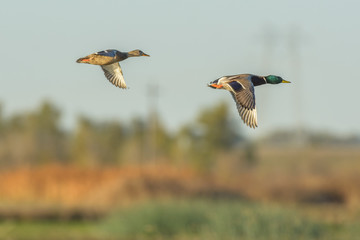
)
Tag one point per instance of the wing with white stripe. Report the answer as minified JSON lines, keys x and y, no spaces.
{"x":245,"y":102}
{"x":114,"y":74}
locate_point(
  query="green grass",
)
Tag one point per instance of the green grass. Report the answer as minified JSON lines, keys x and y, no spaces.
{"x":48,"y":230}
{"x":200,"y":219}
{"x":213,"y":220}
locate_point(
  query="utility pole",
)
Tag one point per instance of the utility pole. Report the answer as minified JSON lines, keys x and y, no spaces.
{"x":294,"y":42}
{"x":269,"y":39}
{"x":152,"y":100}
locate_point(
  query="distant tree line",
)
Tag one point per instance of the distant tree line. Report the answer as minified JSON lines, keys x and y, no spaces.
{"x":36,"y":137}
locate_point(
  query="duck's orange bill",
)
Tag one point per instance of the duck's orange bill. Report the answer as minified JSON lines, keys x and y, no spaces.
{"x":85,"y":59}
{"x":214,"y":85}
{"x":146,"y":55}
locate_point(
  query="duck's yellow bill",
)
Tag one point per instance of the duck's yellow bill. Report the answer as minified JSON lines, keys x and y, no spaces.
{"x":284,"y":81}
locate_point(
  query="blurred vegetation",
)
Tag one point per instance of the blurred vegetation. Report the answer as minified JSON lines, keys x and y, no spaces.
{"x":226,"y":220}
{"x":138,"y":180}
{"x":200,"y":219}
{"x":33,"y":138}
{"x":36,"y":137}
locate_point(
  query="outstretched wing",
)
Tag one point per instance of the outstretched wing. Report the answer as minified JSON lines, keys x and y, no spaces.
{"x":114,"y":74}
{"x":244,"y":96}
{"x":107,"y":53}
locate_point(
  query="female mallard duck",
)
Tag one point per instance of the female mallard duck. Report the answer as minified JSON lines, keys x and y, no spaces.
{"x":241,"y":88}
{"x":109,"y":62}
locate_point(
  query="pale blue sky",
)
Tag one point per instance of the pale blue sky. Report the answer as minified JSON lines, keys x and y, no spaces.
{"x":191,"y":43}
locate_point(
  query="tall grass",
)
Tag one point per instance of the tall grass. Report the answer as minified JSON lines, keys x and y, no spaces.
{"x":215,"y":220}
{"x":189,"y":219}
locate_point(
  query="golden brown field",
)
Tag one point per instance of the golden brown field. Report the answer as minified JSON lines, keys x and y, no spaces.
{"x":310,"y":176}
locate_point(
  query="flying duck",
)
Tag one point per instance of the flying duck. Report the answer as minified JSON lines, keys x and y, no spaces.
{"x":241,"y":88}
{"x":109,"y":62}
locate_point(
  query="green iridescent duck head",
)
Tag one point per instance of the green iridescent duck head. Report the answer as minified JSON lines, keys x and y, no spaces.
{"x":272,"y":79}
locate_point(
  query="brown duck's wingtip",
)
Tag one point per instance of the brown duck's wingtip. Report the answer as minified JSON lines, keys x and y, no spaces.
{"x":122,"y":86}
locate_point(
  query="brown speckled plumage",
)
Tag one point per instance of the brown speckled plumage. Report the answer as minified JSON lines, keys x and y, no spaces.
{"x":109,"y":62}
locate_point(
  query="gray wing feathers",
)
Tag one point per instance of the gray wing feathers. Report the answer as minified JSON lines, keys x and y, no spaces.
{"x":245,"y":102}
{"x":246,"y":98}
{"x":114,"y":74}
{"x":244,"y":95}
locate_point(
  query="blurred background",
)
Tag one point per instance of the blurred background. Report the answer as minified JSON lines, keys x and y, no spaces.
{"x":169,"y":158}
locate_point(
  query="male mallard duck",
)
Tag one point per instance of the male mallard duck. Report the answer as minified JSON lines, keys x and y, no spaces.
{"x":109,"y":62}
{"x":241,"y":88}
